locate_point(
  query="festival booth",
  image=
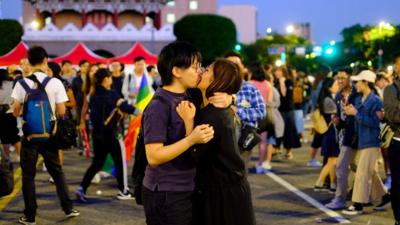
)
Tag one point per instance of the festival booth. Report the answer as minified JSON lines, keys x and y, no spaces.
{"x":78,"y":53}
{"x":15,"y":55}
{"x":137,"y":50}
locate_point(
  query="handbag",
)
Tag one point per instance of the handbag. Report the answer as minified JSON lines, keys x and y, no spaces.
{"x":267,"y":123}
{"x":386,"y":136}
{"x":249,"y":138}
{"x":319,"y":123}
{"x":64,"y":134}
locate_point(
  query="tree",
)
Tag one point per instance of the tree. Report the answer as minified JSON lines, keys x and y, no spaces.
{"x":10,"y":35}
{"x":211,"y":34}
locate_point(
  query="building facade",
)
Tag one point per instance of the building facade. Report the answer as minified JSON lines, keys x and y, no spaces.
{"x":109,"y":27}
{"x":245,"y":19}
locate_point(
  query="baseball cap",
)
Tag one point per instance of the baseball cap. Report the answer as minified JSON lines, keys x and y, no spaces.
{"x":365,"y":75}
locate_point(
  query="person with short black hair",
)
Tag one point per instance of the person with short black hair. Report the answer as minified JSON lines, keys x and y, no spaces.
{"x":57,"y":97}
{"x":117,"y":71}
{"x":132,"y":82}
{"x":67,"y":71}
{"x":153,"y":73}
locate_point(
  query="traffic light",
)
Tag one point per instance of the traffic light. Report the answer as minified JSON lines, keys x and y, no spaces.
{"x":238,"y":47}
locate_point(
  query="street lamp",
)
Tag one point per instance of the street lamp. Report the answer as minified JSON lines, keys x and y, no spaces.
{"x":278,"y":63}
{"x":35,"y":24}
{"x":269,"y":30}
{"x":290,"y":29}
{"x":332,"y":43}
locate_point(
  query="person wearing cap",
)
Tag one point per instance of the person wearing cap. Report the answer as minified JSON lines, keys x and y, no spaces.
{"x":391,"y":100}
{"x":368,"y":113}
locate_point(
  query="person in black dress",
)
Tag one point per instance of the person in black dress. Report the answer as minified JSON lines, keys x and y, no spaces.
{"x":223,"y":193}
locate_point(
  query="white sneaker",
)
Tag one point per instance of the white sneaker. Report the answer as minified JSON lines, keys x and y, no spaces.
{"x":352,"y":211}
{"x":96,"y":179}
{"x":336,"y":204}
{"x":266,"y":165}
{"x":314,"y":163}
{"x":125,"y":196}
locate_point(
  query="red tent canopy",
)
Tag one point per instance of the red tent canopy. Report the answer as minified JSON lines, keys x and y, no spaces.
{"x":135,"y":51}
{"x":78,"y":53}
{"x":15,"y":55}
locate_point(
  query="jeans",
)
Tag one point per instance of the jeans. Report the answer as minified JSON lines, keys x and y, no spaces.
{"x":167,"y":207}
{"x":29,"y":157}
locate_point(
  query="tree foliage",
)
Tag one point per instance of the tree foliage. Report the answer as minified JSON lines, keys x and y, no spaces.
{"x":211,"y":34}
{"x":10,"y":35}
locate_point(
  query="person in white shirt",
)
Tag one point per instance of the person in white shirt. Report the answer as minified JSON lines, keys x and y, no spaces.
{"x":57,"y":96}
{"x":132,"y":82}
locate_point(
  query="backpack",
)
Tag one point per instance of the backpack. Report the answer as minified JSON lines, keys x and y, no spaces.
{"x":297,"y":94}
{"x":140,"y":161}
{"x":37,"y":111}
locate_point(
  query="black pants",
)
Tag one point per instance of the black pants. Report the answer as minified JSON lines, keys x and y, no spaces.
{"x":101,"y":148}
{"x":167,"y":208}
{"x":29,"y":157}
{"x":394,"y":156}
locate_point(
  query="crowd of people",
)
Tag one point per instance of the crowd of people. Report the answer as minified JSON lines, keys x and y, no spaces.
{"x":202,"y":126}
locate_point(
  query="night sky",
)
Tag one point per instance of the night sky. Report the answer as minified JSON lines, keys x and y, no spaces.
{"x":327,"y":17}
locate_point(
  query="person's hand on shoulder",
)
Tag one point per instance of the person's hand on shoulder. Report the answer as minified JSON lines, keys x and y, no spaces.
{"x":221,"y":100}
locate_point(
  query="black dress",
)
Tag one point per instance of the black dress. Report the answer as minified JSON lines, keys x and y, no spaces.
{"x":223,"y":194}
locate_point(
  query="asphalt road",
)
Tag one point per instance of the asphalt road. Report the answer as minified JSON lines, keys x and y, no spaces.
{"x":275,"y":197}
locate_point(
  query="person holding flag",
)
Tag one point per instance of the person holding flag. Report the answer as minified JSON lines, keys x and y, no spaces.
{"x":132,"y":82}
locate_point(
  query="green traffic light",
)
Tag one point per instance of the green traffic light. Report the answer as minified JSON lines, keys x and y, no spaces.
{"x":238,"y":47}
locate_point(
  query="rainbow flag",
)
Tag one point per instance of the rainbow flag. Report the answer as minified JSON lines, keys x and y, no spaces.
{"x":144,"y":97}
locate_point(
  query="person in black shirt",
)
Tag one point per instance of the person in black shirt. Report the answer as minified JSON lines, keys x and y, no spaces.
{"x":117,"y":71}
{"x":103,"y":101}
{"x":223,"y":193}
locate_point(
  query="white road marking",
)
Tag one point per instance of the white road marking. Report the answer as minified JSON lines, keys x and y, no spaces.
{"x":307,"y":198}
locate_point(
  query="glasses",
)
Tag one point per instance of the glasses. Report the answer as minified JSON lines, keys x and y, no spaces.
{"x":198,"y":68}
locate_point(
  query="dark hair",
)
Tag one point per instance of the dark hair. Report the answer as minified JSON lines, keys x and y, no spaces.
{"x":179,"y":54}
{"x":56,"y":69}
{"x":82,"y":62}
{"x":346,"y":69}
{"x":65,"y":62}
{"x":227,"y":78}
{"x":321,"y":74}
{"x":138,"y":58}
{"x":257,"y":72}
{"x":36,"y":55}
{"x":3,"y":76}
{"x":149,"y":68}
{"x":100,"y":75}
{"x":381,"y":76}
{"x":17,"y":72}
{"x":232,"y":54}
{"x":325,"y":92}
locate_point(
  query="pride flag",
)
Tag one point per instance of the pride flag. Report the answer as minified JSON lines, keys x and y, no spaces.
{"x":144,"y":97}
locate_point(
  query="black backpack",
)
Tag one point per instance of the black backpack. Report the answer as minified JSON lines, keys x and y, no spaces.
{"x":140,"y":161}
{"x":6,"y":176}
